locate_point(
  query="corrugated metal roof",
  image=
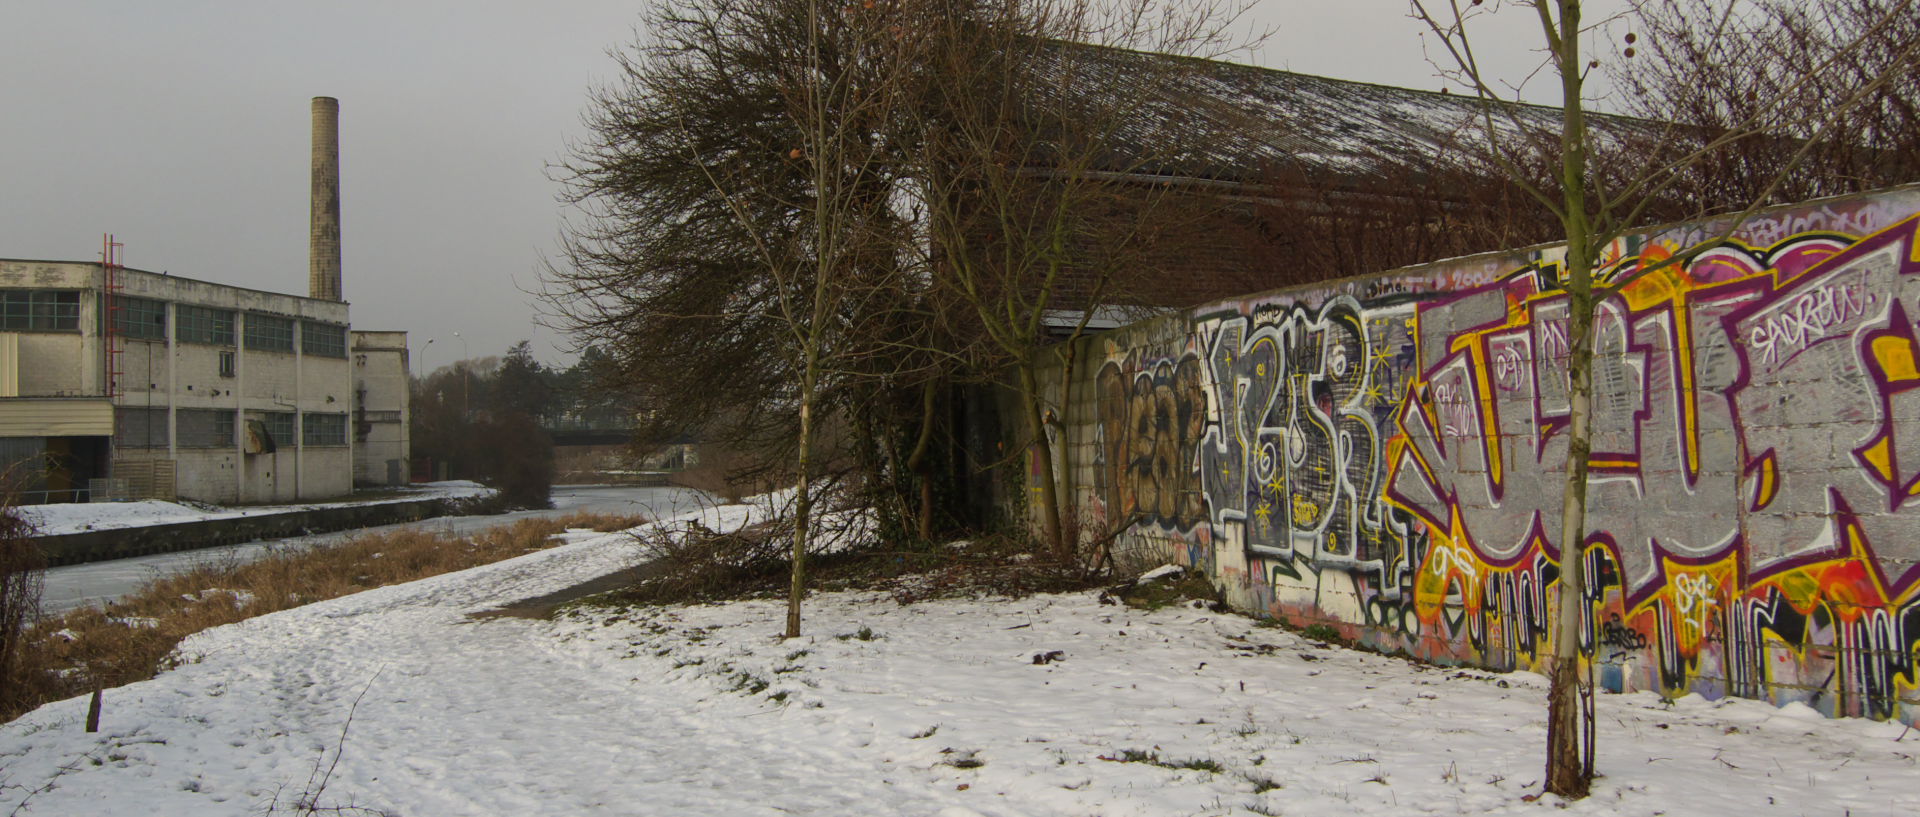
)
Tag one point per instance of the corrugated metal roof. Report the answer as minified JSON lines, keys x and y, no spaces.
{"x":1221,"y":120}
{"x":56,"y":417}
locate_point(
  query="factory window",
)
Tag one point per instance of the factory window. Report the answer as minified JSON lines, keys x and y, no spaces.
{"x":140,"y":427}
{"x":323,"y":339}
{"x":140,"y":318}
{"x":198,"y":324}
{"x":279,"y":424}
{"x":39,"y":310}
{"x":226,"y":363}
{"x":323,"y":429}
{"x":205,"y":428}
{"x":268,"y":333}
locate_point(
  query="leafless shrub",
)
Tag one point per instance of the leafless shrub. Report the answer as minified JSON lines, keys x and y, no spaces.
{"x":516,"y":457}
{"x":690,"y":562}
{"x":1778,"y":76}
{"x":725,"y":473}
{"x":21,"y":569}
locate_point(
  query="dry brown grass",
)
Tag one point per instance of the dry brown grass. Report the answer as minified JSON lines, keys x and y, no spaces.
{"x":687,"y":563}
{"x":132,"y":641}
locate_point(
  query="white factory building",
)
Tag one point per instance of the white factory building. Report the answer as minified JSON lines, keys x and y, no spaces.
{"x":211,"y":392}
{"x":121,"y":383}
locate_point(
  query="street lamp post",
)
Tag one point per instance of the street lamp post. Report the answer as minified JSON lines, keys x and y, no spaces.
{"x":464,"y":370}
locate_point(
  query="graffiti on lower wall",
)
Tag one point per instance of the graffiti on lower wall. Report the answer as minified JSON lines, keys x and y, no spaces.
{"x":1151,"y":417}
{"x":1398,"y":465}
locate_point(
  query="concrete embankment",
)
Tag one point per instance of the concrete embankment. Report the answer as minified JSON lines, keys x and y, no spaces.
{"x":121,"y":543}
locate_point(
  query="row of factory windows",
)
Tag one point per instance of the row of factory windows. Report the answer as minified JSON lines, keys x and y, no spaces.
{"x":217,"y":428}
{"x":38,"y":310}
{"x":52,"y":310}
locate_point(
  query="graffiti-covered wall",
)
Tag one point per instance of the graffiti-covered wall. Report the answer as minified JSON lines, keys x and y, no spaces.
{"x":1386,"y":455}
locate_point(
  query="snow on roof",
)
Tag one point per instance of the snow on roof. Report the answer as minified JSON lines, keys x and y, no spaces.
{"x":1186,"y":116}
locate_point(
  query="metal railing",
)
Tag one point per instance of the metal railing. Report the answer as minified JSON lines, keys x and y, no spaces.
{"x":55,"y":496}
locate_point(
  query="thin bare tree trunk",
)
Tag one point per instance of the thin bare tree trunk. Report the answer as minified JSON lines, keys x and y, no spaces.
{"x":1590,"y":222}
{"x":802,"y":505}
{"x":1569,"y":761}
{"x":1049,"y":498}
{"x":917,"y":462}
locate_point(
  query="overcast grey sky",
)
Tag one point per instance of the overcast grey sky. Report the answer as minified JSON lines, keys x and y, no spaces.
{"x":182,"y":127}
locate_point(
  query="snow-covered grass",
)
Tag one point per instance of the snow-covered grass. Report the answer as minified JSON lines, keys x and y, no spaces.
{"x":1046,"y":705}
{"x":51,"y":520}
{"x":1060,"y":705}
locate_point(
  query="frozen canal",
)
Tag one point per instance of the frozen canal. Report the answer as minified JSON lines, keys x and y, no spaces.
{"x":76,"y":585}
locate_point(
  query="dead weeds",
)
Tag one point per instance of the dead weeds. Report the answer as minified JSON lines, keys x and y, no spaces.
{"x":690,"y":564}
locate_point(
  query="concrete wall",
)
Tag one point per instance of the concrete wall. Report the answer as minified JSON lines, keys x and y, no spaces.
{"x":208,"y":474}
{"x":382,"y":405}
{"x":70,"y":358}
{"x":122,"y":543}
{"x":1385,"y":455}
{"x":56,"y":368}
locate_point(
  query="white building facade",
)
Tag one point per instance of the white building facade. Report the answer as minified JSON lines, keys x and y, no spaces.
{"x":164,"y":386}
{"x":382,"y":394}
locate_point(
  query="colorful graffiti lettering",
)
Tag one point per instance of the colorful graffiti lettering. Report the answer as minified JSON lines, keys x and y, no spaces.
{"x":1745,"y":419}
{"x":1150,"y":421}
{"x":1397,"y":464}
{"x":1295,"y":453}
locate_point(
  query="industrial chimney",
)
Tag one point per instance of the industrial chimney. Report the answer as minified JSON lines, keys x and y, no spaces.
{"x":323,"y":246}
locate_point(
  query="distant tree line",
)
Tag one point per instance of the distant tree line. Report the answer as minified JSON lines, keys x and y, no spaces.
{"x":485,"y":419}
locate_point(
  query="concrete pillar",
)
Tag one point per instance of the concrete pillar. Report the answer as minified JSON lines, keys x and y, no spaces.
{"x":323,"y":248}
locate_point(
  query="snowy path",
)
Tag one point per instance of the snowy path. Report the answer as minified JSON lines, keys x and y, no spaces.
{"x":460,"y":717}
{"x":938,"y":710}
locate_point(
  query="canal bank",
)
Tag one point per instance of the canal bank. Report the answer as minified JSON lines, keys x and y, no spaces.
{"x":78,"y":584}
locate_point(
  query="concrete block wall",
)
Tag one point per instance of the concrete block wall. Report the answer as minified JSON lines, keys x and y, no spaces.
{"x":67,"y":371}
{"x":208,"y":474}
{"x":268,"y":376}
{"x":382,"y":405}
{"x":197,"y":382}
{"x":58,"y":368}
{"x":1385,"y":454}
{"x":144,"y":366}
{"x":292,"y":474}
{"x":326,"y":471}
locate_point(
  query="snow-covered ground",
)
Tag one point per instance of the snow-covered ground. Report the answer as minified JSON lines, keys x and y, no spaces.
{"x":77,"y":517}
{"x":1051,"y":705}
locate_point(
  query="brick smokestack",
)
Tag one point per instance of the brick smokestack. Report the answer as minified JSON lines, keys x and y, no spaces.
{"x":323,"y":245}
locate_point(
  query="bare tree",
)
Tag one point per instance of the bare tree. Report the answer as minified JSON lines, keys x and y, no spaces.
{"x":1048,"y":144}
{"x":957,"y":170}
{"x":657,"y":269}
{"x":843,"y":101}
{"x":1593,"y":209}
{"x":21,"y":569}
{"x":746,"y":209}
{"x":1768,"y":64}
